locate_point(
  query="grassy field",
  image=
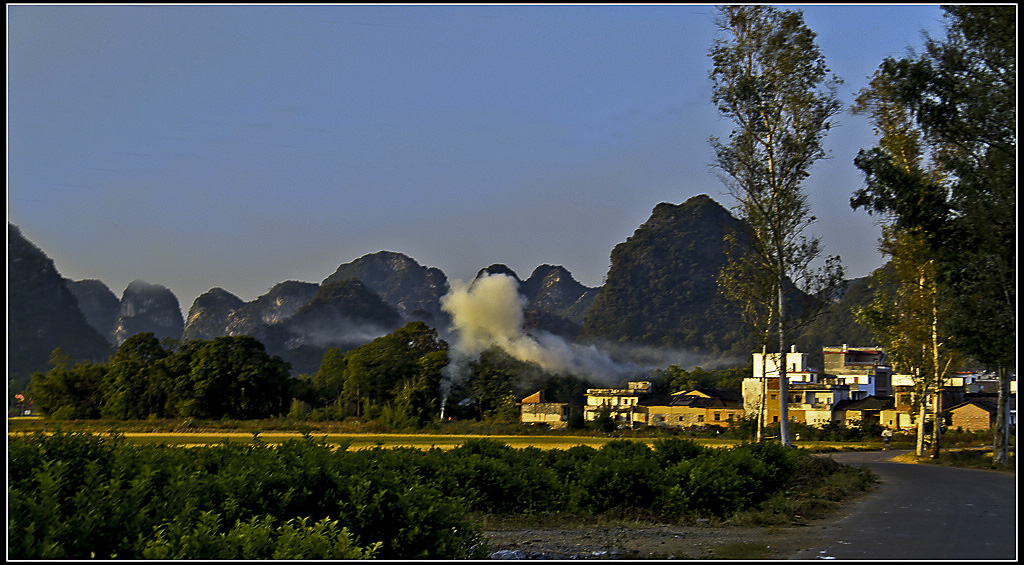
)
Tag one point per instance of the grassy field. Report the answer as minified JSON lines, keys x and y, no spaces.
{"x":370,"y":440}
{"x":142,"y":432}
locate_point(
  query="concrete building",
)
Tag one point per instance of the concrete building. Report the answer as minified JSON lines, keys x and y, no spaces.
{"x":698,"y":407}
{"x":622,"y":403}
{"x":534,"y":410}
{"x":864,"y":369}
{"x":810,"y":398}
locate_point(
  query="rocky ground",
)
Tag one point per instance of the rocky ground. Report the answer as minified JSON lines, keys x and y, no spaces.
{"x":701,"y":541}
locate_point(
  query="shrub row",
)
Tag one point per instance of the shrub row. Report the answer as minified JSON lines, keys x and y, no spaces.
{"x":76,"y":495}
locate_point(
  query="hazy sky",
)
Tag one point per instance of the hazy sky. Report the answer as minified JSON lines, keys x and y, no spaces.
{"x":242,"y":146}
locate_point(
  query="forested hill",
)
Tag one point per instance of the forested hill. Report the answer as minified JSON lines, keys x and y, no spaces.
{"x":42,"y":313}
{"x":661,"y":289}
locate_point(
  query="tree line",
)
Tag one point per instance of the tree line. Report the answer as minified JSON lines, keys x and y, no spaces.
{"x":942,"y":178}
{"x":231,"y":376}
{"x":398,"y":380}
{"x":402,"y":380}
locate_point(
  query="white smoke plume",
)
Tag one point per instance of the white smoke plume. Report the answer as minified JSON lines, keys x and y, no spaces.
{"x":489,"y":312}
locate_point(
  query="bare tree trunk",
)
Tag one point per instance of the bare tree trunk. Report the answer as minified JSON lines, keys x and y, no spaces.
{"x":921,"y":417}
{"x":764,"y":393}
{"x":937,"y":421}
{"x":1001,"y":435}
{"x":783,"y":379}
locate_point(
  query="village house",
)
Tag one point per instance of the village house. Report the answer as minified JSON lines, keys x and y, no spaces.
{"x":978,"y":410}
{"x":623,"y":404}
{"x":974,"y":415}
{"x":855,"y":386}
{"x":954,"y":391}
{"x":698,"y":407}
{"x":865,"y":410}
{"x":864,"y":369}
{"x":534,"y":410}
{"x":810,"y":398}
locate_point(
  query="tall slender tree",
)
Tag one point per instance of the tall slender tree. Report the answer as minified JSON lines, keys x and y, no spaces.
{"x":961,"y":92}
{"x":771,"y":80}
{"x":909,"y":321}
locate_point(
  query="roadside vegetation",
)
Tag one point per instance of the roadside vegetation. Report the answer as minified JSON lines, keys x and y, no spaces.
{"x":307,"y":499}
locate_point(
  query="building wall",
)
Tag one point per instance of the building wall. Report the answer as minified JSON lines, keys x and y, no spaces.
{"x":817,"y":417}
{"x":686,"y":416}
{"x":852,"y":360}
{"x":674,"y":416}
{"x":555,"y":414}
{"x":897,"y":419}
{"x":971,"y":417}
{"x":795,"y":363}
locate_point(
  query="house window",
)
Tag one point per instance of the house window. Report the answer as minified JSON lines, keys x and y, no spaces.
{"x":718,"y":416}
{"x":700,"y":418}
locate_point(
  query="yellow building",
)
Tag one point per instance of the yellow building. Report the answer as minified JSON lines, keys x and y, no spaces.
{"x":698,"y":407}
{"x":623,"y":403}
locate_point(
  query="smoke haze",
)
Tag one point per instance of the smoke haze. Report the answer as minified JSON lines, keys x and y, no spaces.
{"x":489,"y":312}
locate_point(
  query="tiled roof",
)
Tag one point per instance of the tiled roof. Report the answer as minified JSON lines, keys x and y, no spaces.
{"x":983,"y":404}
{"x":692,"y":401}
{"x":869,"y":403}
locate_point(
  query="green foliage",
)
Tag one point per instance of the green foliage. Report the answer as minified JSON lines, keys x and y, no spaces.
{"x":960,"y":92}
{"x":661,"y":288}
{"x":75,"y":496}
{"x":398,"y":374}
{"x":330,"y":378}
{"x":69,"y":393}
{"x":720,"y":482}
{"x":672,"y":450}
{"x":255,"y":539}
{"x":677,"y":379}
{"x":235,"y":377}
{"x":138,"y":383}
{"x":230,"y":377}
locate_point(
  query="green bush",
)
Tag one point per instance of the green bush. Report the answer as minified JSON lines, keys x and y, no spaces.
{"x":672,"y":450}
{"x":74,"y":496}
{"x":78,"y":496}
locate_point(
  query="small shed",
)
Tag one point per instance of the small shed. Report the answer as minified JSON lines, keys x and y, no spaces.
{"x":974,"y":415}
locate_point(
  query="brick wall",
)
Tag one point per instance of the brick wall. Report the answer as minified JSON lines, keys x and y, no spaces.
{"x":971,"y":417}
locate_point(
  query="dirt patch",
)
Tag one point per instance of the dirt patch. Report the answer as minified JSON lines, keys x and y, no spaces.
{"x":653,"y":542}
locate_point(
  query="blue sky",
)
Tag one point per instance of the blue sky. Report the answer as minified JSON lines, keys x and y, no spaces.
{"x":241,"y":146}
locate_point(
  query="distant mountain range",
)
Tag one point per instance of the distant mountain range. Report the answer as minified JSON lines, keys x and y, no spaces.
{"x":660,"y":292}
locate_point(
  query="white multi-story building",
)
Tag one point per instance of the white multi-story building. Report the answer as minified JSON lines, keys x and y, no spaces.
{"x":623,"y":403}
{"x":864,"y":369}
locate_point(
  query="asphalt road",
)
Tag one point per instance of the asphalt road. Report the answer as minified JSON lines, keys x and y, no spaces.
{"x":923,"y":512}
